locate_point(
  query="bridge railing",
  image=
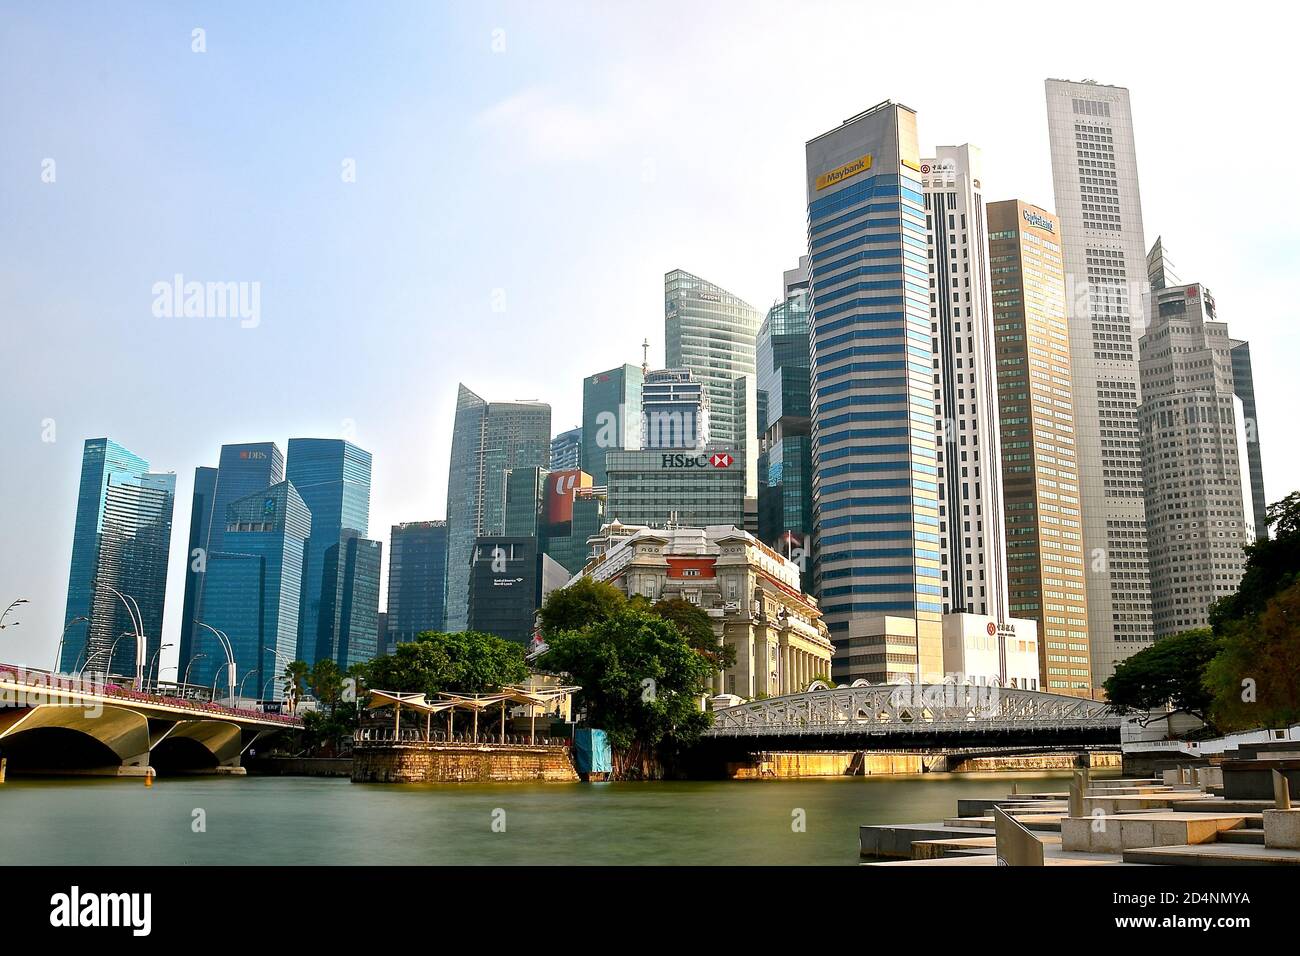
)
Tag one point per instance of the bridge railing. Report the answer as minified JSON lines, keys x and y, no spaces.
{"x":409,"y":735}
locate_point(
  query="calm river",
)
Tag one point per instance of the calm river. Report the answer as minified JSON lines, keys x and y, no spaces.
{"x":292,"y":820}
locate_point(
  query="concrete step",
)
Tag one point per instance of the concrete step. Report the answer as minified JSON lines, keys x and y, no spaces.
{"x":1212,"y":854}
{"x":1114,"y":833}
{"x":1244,"y":835}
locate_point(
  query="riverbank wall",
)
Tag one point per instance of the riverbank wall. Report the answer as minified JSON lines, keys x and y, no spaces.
{"x":853,"y":763}
{"x":299,"y":766}
{"x":419,"y":762}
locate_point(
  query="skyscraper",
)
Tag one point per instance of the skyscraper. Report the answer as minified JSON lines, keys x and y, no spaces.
{"x":566,"y":449}
{"x":785,"y":451}
{"x":253,"y":587}
{"x":875,"y":490}
{"x":1094,"y":175}
{"x":711,"y":332}
{"x":487,"y":440}
{"x":417,"y":579}
{"x":119,"y":543}
{"x":1040,"y":468}
{"x":1243,"y":384}
{"x":675,"y":411}
{"x":611,"y":418}
{"x":1195,"y":460}
{"x":242,"y":469}
{"x":971,"y":521}
{"x":333,"y":477}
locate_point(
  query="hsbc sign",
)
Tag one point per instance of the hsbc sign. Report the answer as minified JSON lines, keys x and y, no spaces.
{"x":719,"y":459}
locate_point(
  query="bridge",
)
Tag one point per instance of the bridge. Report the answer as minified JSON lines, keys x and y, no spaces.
{"x":57,"y":723}
{"x":915,"y":716}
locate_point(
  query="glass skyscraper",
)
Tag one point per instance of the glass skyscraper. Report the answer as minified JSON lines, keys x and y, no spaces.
{"x":566,"y":449}
{"x":120,"y":541}
{"x":417,"y":579}
{"x":242,"y":469}
{"x":488,"y":439}
{"x":711,"y":332}
{"x":611,"y":417}
{"x":875,"y":490}
{"x":253,"y":589}
{"x":333,"y":477}
{"x":785,"y":452}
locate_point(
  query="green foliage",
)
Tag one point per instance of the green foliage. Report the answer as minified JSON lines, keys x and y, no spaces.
{"x":1272,"y":565}
{"x":696,"y":626}
{"x":641,"y":682}
{"x":295,"y":683}
{"x":469,"y":661}
{"x":1169,"y":671}
{"x":582,"y":603}
{"x":1255,"y":679}
{"x":326,"y":682}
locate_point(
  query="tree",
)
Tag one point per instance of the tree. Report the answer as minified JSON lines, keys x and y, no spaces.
{"x":641,"y":682}
{"x":295,"y":679}
{"x":1272,"y":565}
{"x":584,"y":602}
{"x":1170,"y":671}
{"x":326,"y":682}
{"x":697,"y":627}
{"x":468,"y":662}
{"x":1255,"y":679}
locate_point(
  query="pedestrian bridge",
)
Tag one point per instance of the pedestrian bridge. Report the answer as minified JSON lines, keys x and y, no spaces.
{"x":57,"y":723}
{"x":881,"y":716}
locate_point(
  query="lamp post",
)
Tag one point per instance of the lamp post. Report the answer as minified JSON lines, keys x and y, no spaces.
{"x":112,"y":649}
{"x":137,"y":621}
{"x":5,"y":612}
{"x":224,"y":641}
{"x":186,"y":681}
{"x":58,"y":652}
{"x":154,"y":660}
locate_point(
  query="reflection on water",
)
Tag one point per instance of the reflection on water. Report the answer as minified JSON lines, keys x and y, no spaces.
{"x":287,"y":820}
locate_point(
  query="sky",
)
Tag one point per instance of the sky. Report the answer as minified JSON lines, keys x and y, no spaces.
{"x":490,"y":193}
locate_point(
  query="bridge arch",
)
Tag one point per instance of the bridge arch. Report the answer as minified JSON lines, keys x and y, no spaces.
{"x":122,"y":736}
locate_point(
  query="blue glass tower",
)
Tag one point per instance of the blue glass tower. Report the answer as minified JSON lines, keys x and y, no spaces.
{"x":875,"y":491}
{"x":254,"y":586}
{"x":417,"y":579}
{"x":611,"y":418}
{"x":120,"y":542}
{"x":242,"y":469}
{"x":333,"y":477}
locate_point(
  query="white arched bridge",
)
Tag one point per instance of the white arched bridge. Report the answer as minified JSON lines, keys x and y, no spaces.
{"x":865,"y":716}
{"x":55,"y":723}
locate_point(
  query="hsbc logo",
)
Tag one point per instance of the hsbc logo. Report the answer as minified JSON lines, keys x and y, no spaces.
{"x":717,"y":460}
{"x":721,"y":460}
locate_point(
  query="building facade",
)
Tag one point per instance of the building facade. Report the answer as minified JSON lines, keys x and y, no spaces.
{"x":488,"y":439}
{"x":417,"y":579}
{"x":1040,"y":466}
{"x":566,"y":450}
{"x":875,"y":473}
{"x":1195,"y":459}
{"x":1095,"y":179}
{"x":661,"y":488}
{"x":971,"y":520}
{"x":253,"y":589}
{"x":1243,"y":384}
{"x":711,"y":332}
{"x":333,"y":477}
{"x":675,"y":411}
{"x":120,"y":542}
{"x":750,"y":592}
{"x":611,"y":418}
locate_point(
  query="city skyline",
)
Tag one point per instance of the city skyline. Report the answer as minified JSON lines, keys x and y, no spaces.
{"x":182,"y":436}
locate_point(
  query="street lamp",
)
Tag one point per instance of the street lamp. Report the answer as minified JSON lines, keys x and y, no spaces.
{"x":154,"y":660}
{"x":186,"y":681}
{"x":58,"y":653}
{"x":137,"y":621}
{"x":6,"y":611}
{"x":224,"y":641}
{"x":112,"y":649}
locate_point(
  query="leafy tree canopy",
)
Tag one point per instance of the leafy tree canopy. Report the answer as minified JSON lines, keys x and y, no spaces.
{"x":1272,"y":565}
{"x":1169,"y":671}
{"x":582,"y":603}
{"x":469,"y":661}
{"x":1255,"y":679}
{"x":697,"y":627}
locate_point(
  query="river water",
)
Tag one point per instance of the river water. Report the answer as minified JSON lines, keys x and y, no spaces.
{"x":297,"y":820}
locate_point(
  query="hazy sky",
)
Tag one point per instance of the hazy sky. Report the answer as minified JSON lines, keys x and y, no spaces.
{"x":524,"y":175}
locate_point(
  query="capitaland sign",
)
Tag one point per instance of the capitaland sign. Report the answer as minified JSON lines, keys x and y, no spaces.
{"x":1038,"y":222}
{"x":714,"y":460}
{"x":847,"y":171}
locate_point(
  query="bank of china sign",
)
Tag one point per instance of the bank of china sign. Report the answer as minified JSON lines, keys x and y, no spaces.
{"x":847,"y":171}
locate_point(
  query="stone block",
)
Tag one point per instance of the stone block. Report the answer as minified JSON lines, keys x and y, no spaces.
{"x":1282,"y":829}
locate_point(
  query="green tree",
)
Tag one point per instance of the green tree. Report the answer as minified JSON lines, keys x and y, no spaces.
{"x":582,"y":603}
{"x":467,"y":662}
{"x":697,"y":627}
{"x":295,"y":681}
{"x":326,"y":682}
{"x":1272,"y":565}
{"x":1255,"y":679}
{"x":642,"y":682}
{"x":1170,"y":671}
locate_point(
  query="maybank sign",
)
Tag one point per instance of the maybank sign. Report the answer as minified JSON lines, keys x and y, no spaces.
{"x":847,"y":171}
{"x":1040,"y":222}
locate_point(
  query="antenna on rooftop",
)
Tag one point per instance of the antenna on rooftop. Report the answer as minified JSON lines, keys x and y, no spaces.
{"x":645,"y":356}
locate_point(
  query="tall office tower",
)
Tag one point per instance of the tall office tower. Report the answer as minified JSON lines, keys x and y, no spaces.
{"x":971,"y":520}
{"x":566,"y":450}
{"x":1195,"y":460}
{"x":417,"y":579}
{"x":1243,"y":384}
{"x":349,"y":610}
{"x":1040,"y":468}
{"x":875,"y":489}
{"x":488,"y":439}
{"x":785,"y":451}
{"x":1094,"y":175}
{"x":242,"y":469}
{"x":333,"y":477}
{"x":711,"y":332}
{"x":525,"y":498}
{"x":675,"y":411}
{"x":119,"y":544}
{"x":1160,"y":268}
{"x":611,"y":417}
{"x":253,"y":588}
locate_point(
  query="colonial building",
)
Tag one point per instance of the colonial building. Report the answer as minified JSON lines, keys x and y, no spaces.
{"x":750,"y":592}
